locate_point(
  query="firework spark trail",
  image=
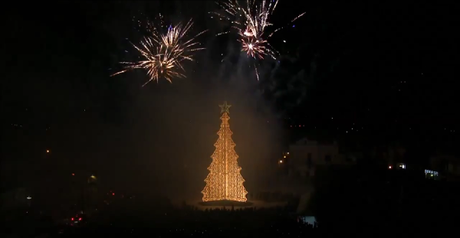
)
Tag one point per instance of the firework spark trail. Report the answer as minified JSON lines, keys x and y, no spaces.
{"x":251,"y":22}
{"x":164,"y":53}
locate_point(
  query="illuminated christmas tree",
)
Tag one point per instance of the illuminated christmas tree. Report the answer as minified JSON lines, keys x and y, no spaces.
{"x":224,"y":181}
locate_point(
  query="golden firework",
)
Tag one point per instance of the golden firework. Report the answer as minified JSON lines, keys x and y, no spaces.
{"x":163,"y":53}
{"x":251,"y":23}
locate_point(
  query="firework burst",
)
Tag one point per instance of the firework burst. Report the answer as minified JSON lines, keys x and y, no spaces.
{"x":163,"y":53}
{"x":251,"y":23}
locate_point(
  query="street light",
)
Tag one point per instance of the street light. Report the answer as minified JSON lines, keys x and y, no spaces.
{"x":92,"y":179}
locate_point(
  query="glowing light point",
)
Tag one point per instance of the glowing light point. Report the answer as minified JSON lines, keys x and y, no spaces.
{"x":224,"y":181}
{"x":47,"y":151}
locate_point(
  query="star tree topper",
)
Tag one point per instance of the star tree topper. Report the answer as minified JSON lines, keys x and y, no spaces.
{"x":225,"y":108}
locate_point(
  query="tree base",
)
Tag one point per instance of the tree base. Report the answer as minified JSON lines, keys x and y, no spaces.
{"x":226,"y":203}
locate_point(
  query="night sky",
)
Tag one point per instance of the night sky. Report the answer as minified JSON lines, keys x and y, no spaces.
{"x":363,"y":72}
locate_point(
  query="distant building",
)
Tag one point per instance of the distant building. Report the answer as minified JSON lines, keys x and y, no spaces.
{"x":305,"y":156}
{"x":431,"y":174}
{"x":447,"y":167}
{"x":391,"y":156}
{"x":19,"y":198}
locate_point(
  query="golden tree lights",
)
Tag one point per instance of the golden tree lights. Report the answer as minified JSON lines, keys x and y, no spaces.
{"x":224,"y":181}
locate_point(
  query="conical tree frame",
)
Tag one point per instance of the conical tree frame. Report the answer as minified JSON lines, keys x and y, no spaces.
{"x":224,"y":181}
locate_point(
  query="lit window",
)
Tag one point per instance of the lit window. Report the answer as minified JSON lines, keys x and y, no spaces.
{"x":431,"y":173}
